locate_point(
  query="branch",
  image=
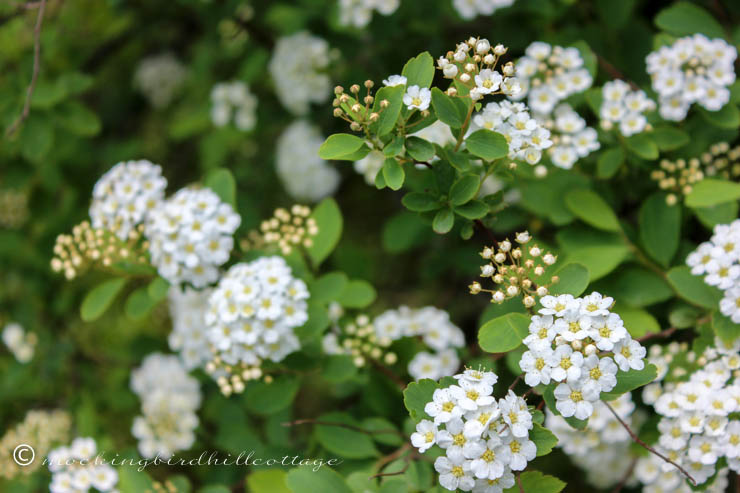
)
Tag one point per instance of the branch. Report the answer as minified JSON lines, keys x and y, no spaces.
{"x":390,"y":458}
{"x":342,"y":425}
{"x":519,"y":483}
{"x":653,"y":335}
{"x":647,"y":447}
{"x":614,"y":71}
{"x":516,"y":381}
{"x":626,"y":476}
{"x":36,"y":67}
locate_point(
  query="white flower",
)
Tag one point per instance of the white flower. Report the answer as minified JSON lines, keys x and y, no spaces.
{"x":233,"y":99}
{"x":469,"y":9}
{"x":600,"y":371}
{"x":497,"y":485}
{"x":443,"y":407}
{"x":302,"y":172}
{"x":536,"y":369}
{"x":187,"y":310}
{"x":629,"y":354}
{"x":417,"y":98}
{"x":358,"y":13}
{"x":515,"y":413}
{"x":190,"y":235}
{"x":488,"y":81}
{"x":425,"y":436}
{"x":516,"y":452}
{"x":488,"y":465}
{"x":20,"y":343}
{"x":126,"y":195}
{"x":74,"y":469}
{"x":456,"y":444}
{"x":730,"y":304}
{"x":576,"y":399}
{"x":566,"y":364}
{"x":159,"y":78}
{"x":471,"y":396}
{"x":454,"y":473}
{"x":395,"y":80}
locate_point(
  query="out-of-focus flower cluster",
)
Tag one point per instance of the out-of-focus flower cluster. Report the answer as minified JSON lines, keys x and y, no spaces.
{"x":718,"y":260}
{"x":160,"y":78}
{"x":13,"y":208}
{"x":358,"y":13}
{"x":470,"y":9}
{"x":516,"y":270}
{"x":357,"y":338}
{"x":694,"y":69}
{"x":19,"y":342}
{"x":41,"y":430}
{"x":571,"y":138}
{"x":580,"y":344}
{"x":233,"y":100}
{"x":170,"y":399}
{"x":625,"y":107}
{"x":188,"y":337}
{"x":483,"y":439}
{"x":252,"y":314}
{"x":286,"y":230}
{"x":75,"y":469}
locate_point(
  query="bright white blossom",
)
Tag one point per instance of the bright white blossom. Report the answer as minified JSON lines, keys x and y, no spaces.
{"x":694,"y":69}
{"x":358,"y":13}
{"x":75,"y":469}
{"x":469,"y":9}
{"x":187,"y":309}
{"x":572,"y":139}
{"x":298,"y":67}
{"x":126,"y":195}
{"x":417,"y":98}
{"x":303,"y":173}
{"x":21,"y":343}
{"x":190,"y":236}
{"x":625,"y":107}
{"x":169,"y":401}
{"x":233,"y":100}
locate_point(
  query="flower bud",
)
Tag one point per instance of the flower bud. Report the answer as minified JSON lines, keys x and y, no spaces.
{"x":482,"y":46}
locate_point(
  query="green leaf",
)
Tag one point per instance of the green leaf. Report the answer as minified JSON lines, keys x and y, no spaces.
{"x":223,"y":184}
{"x":264,"y":398}
{"x":487,"y":145}
{"x":338,"y":368}
{"x":158,"y":289}
{"x":318,"y":321}
{"x":393,"y":174}
{"x":78,"y":119}
{"x":536,"y":482}
{"x":726,"y":117}
{"x":100,"y":298}
{"x":339,"y":146}
{"x":131,"y":480}
{"x":588,"y":206}
{"x":47,"y":94}
{"x":328,"y":287}
{"x":464,"y":189}
{"x":36,"y":138}
{"x":443,"y":221}
{"x":475,"y":209}
{"x":403,"y":231}
{"x":446,"y":110}
{"x":712,"y":191}
{"x":609,"y":162}
{"x":417,"y":395}
{"x":589,"y":59}
{"x":139,"y":304}
{"x":643,"y":146}
{"x":717,"y":214}
{"x":213,"y":488}
{"x":543,"y":438}
{"x":639,"y":287}
{"x":329,"y":221}
{"x":388,"y":115}
{"x":267,"y":481}
{"x":669,"y":138}
{"x":419,"y":71}
{"x":394,"y":147}
{"x":637,"y":321}
{"x":357,"y":294}
{"x":574,"y":278}
{"x":693,"y":288}
{"x":727,"y":330}
{"x":344,"y":442}
{"x":628,"y":381}
{"x":306,"y":480}
{"x":421,"y":202}
{"x":684,"y":18}
{"x":419,"y":149}
{"x":660,"y":228}
{"x":376,"y":425}
{"x":504,"y":333}
{"x":599,"y":260}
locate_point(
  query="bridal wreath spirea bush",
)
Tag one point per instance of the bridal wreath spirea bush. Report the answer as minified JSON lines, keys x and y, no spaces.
{"x":369,"y":246}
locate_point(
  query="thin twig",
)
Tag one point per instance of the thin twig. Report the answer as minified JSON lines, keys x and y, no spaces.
{"x":615,"y":72}
{"x":341,"y":425}
{"x":36,"y":67}
{"x":647,"y":447}
{"x":381,"y":463}
{"x":670,"y":331}
{"x":519,"y":483}
{"x":626,"y":476}
{"x":516,"y":381}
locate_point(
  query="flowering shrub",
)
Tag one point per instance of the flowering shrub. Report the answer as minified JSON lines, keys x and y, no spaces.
{"x":387,"y":246}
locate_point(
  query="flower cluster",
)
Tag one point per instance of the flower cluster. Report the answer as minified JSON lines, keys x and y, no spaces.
{"x":527,"y":138}
{"x":361,"y":111}
{"x":302,"y":172}
{"x":473,"y":66}
{"x":357,"y":339}
{"x":160,"y":78}
{"x":41,"y":430}
{"x":515,"y":270}
{"x":484,"y":440}
{"x":681,"y":175}
{"x":169,"y":401}
{"x":233,"y":100}
{"x":718,"y":260}
{"x":89,"y":247}
{"x":579,"y":344}
{"x":20,"y":343}
{"x":358,"y":13}
{"x":549,"y":74}
{"x":13,"y":208}
{"x":469,"y":9}
{"x":190,"y":235}
{"x":251,"y":317}
{"x":124,"y":197}
{"x":694,"y":69}
{"x":75,"y":469}
{"x":698,"y":425}
{"x":187,"y":309}
{"x":434,"y":328}
{"x":602,"y":449}
{"x":571,"y":138}
{"x":285,"y":229}
{"x":296,"y":67}
{"x":623,"y":106}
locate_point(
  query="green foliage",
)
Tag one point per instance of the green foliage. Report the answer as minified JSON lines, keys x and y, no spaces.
{"x":222,"y":182}
{"x":487,"y":145}
{"x":341,"y":147}
{"x":504,"y":333}
{"x":100,"y":298}
{"x":711,"y":192}
{"x":592,"y":209}
{"x":631,"y":380}
{"x":693,"y":288}
{"x":536,"y":481}
{"x":660,"y":228}
{"x":329,"y":221}
{"x":685,"y":18}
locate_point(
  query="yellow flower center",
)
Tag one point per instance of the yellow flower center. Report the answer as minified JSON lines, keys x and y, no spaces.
{"x":576,"y":396}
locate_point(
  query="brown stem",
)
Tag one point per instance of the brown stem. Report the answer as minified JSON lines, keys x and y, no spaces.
{"x":390,"y":458}
{"x":516,"y":381}
{"x":519,"y":483}
{"x":342,"y":425}
{"x":653,"y":335}
{"x":614,"y":72}
{"x":487,"y":231}
{"x":626,"y":476}
{"x":36,"y":67}
{"x":647,"y":447}
{"x":464,"y":127}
